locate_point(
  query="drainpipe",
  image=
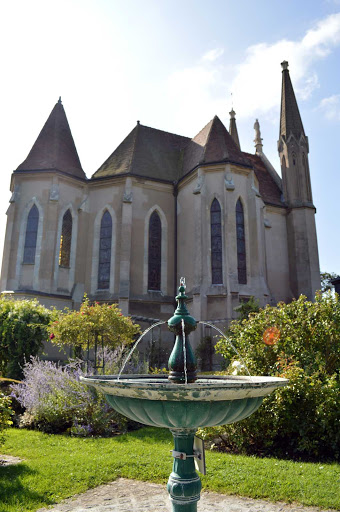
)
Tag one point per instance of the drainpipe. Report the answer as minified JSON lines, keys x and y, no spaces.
{"x":175,"y":193}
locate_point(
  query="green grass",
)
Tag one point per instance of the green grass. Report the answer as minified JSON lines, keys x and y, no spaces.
{"x":56,"y":467}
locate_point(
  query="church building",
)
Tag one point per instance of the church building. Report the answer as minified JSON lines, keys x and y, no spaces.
{"x":160,"y":207}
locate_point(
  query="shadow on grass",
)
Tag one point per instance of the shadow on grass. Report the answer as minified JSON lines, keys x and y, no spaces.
{"x":14,"y":492}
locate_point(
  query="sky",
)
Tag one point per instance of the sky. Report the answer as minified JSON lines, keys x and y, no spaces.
{"x":173,"y":65}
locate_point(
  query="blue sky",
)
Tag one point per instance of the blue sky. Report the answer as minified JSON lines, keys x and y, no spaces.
{"x":173,"y":65}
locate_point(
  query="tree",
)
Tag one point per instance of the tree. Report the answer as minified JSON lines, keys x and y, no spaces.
{"x":93,"y":324}
{"x":326,"y":278}
{"x":23,"y":329}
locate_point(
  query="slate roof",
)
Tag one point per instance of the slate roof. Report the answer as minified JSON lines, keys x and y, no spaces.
{"x":212,"y":144}
{"x":166,"y":156}
{"x":269,"y":190}
{"x":54,"y":147}
{"x":290,"y":119}
{"x":146,"y":152}
{"x":162,"y":155}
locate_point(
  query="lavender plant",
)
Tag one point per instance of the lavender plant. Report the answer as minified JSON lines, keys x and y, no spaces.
{"x":56,"y":401}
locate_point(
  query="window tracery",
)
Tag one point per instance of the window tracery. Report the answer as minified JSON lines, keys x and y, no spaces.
{"x":65,"y":240}
{"x":241,"y":244}
{"x":31,"y":235}
{"x":105,"y":242}
{"x":155,"y":252}
{"x":216,"y":243}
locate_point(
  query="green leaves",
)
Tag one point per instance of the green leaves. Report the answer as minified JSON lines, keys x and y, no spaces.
{"x":23,"y":329}
{"x":93,"y":322}
{"x":299,"y":341}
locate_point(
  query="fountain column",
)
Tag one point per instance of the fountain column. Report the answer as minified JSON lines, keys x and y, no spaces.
{"x":184,"y":484}
{"x":182,"y":361}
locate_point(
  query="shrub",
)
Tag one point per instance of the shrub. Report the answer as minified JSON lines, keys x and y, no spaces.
{"x":5,"y":414}
{"x":299,"y":341}
{"x":23,"y":329}
{"x":56,"y":401}
{"x":93,"y":324}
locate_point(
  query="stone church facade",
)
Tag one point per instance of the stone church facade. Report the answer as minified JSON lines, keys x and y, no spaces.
{"x":160,"y":207}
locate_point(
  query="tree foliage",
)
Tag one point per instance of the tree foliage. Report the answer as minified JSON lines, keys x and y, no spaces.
{"x":23,"y":329}
{"x":246,"y":307}
{"x":299,"y":341}
{"x":326,"y":278}
{"x":93,"y":323}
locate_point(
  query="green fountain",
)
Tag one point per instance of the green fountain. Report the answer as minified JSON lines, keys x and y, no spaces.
{"x":183,"y":402}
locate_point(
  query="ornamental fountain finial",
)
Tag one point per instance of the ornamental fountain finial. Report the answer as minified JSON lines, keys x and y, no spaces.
{"x":182,"y":361}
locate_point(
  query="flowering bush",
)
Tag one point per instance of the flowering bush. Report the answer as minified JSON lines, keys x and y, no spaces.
{"x":5,"y":414}
{"x":23,"y":329}
{"x":299,"y":341}
{"x":56,"y":401}
{"x":93,"y":323}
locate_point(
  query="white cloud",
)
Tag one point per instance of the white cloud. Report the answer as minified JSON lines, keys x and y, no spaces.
{"x":256,"y":82}
{"x":260,"y":68}
{"x":213,"y":55}
{"x":331,"y":107}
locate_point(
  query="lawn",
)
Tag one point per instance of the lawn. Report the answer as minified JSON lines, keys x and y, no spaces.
{"x":56,"y":467}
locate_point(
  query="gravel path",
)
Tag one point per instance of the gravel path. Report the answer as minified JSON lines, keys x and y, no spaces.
{"x":133,"y":496}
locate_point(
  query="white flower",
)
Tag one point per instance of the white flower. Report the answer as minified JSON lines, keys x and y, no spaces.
{"x":238,"y":367}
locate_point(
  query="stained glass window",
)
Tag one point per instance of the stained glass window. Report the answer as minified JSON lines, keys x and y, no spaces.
{"x":216,"y":243}
{"x":155,"y":252}
{"x":31,"y":235}
{"x":65,"y":240}
{"x":105,"y":251}
{"x":241,"y":244}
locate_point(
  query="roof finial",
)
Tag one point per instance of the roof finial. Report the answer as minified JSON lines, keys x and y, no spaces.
{"x":284,"y":65}
{"x":233,"y":128}
{"x":59,"y":101}
{"x":258,"y":139}
{"x":138,"y":122}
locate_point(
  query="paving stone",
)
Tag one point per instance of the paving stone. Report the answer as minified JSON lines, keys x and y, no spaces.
{"x":124,"y":495}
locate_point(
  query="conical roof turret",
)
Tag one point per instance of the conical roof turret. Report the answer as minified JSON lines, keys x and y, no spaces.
{"x":290,"y":119}
{"x":54,"y":148}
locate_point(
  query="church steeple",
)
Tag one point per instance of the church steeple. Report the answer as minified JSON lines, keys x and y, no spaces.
{"x":293,"y":147}
{"x":54,"y":148}
{"x":233,"y":128}
{"x":301,"y":232}
{"x":290,"y":120}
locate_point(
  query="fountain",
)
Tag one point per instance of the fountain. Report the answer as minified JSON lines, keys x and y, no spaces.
{"x":183,"y":403}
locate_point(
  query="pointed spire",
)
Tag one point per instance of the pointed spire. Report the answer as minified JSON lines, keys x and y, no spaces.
{"x":233,"y":128}
{"x":290,"y":120}
{"x":54,"y":148}
{"x":258,"y":139}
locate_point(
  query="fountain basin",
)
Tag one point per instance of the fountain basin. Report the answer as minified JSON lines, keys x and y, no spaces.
{"x":210,"y":401}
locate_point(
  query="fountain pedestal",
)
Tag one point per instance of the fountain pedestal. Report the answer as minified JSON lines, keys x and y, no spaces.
{"x":184,"y":485}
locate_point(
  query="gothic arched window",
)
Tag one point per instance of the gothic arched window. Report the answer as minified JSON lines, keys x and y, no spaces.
{"x":155,"y":252}
{"x":105,"y":251}
{"x":216,"y":243}
{"x":241,"y":244}
{"x":65,"y":240}
{"x":31,"y":235}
